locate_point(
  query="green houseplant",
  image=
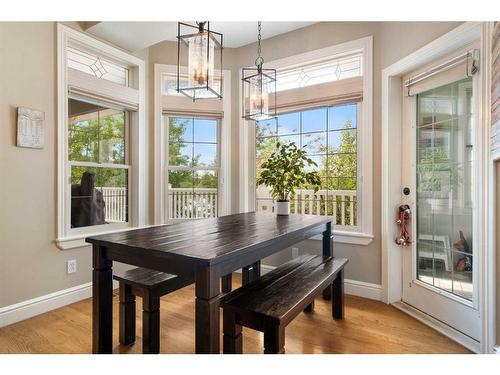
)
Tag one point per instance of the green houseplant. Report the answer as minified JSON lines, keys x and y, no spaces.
{"x":284,"y":172}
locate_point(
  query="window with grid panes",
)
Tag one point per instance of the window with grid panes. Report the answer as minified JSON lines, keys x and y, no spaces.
{"x":98,"y":161}
{"x":193,"y":167}
{"x":329,"y":135}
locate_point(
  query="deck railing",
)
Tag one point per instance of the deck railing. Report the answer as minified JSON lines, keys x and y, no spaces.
{"x":115,"y":208}
{"x":203,"y":203}
{"x":192,"y":203}
{"x":340,"y":204}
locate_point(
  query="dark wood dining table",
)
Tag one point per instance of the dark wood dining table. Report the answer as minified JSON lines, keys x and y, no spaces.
{"x":200,"y":250}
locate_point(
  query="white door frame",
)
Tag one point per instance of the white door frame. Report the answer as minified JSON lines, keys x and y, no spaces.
{"x":391,"y":169}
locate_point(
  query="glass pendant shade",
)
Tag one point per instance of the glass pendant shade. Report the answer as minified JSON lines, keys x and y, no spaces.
{"x":200,"y":50}
{"x":259,"y":93}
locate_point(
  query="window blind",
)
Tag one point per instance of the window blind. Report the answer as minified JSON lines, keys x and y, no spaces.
{"x":331,"y":93}
{"x":454,"y":67}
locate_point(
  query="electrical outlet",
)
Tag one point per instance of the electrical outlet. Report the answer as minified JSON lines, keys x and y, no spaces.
{"x":295,"y":252}
{"x":71,"y":266}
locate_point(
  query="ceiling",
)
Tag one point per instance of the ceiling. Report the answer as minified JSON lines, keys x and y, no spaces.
{"x":134,"y":36}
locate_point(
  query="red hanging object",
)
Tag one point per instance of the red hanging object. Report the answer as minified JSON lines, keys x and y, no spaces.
{"x":403,"y":221}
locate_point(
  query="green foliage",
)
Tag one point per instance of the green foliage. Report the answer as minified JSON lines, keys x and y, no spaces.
{"x":185,"y":178}
{"x":284,"y":171}
{"x":100,"y":140}
{"x":342,"y":162}
{"x":434,"y":168}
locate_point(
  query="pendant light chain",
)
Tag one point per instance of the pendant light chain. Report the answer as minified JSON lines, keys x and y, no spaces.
{"x":259,"y":61}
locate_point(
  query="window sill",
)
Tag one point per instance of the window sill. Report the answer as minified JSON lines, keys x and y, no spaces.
{"x":78,"y":240}
{"x":353,"y":238}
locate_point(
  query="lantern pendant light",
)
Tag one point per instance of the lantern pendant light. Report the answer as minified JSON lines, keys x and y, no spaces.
{"x":199,"y":61}
{"x":259,"y":88}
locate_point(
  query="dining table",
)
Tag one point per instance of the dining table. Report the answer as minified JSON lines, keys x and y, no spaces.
{"x":203,"y":251}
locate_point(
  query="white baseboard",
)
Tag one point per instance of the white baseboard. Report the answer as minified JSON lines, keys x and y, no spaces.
{"x":39,"y":305}
{"x":439,"y":326}
{"x":27,"y":309}
{"x":351,"y":287}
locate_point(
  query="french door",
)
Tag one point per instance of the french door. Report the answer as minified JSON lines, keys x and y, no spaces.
{"x":441,"y":166}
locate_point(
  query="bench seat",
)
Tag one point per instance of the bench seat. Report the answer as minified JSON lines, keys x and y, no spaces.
{"x":150,"y":285}
{"x":273,"y":301}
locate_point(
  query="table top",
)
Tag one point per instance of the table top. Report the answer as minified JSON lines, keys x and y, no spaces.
{"x":212,"y":240}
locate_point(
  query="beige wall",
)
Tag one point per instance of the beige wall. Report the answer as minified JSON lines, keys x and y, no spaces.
{"x":30,"y":263}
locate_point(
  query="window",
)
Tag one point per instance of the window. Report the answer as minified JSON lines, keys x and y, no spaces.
{"x":329,"y":135}
{"x":323,"y":71}
{"x":89,"y":63}
{"x":101,"y":139}
{"x":193,"y":167}
{"x":98,"y":158}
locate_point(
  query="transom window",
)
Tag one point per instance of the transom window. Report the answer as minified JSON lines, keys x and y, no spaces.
{"x":193,"y":167}
{"x":98,"y":160}
{"x":329,"y":70}
{"x":96,"y":66}
{"x":329,"y":135}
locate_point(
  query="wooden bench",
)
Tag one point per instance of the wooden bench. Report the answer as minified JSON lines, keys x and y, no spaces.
{"x":272,"y":302}
{"x":150,"y":285}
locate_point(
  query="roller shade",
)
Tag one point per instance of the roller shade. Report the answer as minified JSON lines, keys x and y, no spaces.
{"x":451,"y":68}
{"x":85,"y":87}
{"x":182,"y":106}
{"x":331,"y":93}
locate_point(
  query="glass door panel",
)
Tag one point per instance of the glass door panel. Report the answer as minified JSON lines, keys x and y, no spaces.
{"x":445,"y":187}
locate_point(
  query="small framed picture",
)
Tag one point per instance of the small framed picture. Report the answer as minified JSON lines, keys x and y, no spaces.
{"x":30,"y":131}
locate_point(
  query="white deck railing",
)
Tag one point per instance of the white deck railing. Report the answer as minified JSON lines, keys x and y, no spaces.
{"x":192,"y":203}
{"x":115,"y":199}
{"x":203,"y":203}
{"x":340,"y":204}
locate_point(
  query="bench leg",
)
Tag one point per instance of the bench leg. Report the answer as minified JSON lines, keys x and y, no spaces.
{"x":127,"y":315}
{"x":227,"y":283}
{"x":150,"y":323}
{"x":309,"y":308}
{"x":251,"y":273}
{"x":232,"y":340}
{"x":327,"y":293}
{"x":338,"y":296}
{"x":274,"y":339}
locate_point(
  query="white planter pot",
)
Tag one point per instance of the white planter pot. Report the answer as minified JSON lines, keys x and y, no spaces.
{"x":282,"y":208}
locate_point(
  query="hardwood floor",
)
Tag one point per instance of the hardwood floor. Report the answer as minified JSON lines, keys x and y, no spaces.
{"x":369,"y":327}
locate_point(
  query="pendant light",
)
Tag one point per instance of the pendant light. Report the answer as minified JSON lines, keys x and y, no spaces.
{"x":200,"y":50}
{"x":259,"y":88}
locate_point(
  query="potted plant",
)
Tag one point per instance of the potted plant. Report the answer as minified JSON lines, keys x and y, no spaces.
{"x":284,"y":171}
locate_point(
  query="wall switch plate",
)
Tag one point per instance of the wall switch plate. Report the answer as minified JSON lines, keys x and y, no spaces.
{"x":71,"y":266}
{"x":295,"y":252}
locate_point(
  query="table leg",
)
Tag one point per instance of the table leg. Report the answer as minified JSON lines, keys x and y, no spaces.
{"x":327,"y":251}
{"x":102,"y":302}
{"x":250,"y":273}
{"x":227,"y":283}
{"x":207,"y":319}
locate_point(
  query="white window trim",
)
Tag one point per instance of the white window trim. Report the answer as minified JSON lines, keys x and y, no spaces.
{"x":364,"y":233}
{"x":68,"y":238}
{"x":161,"y":138}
